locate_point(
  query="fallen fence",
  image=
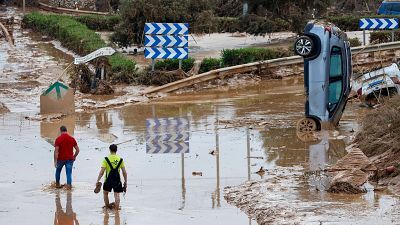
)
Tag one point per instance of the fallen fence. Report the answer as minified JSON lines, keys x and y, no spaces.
{"x":259,"y":66}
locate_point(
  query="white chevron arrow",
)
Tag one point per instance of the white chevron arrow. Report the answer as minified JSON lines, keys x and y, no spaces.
{"x":364,"y":23}
{"x":394,"y":23}
{"x":384,"y":24}
{"x":374,"y":23}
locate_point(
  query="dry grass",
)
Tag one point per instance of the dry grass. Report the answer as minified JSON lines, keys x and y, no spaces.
{"x":381,"y":129}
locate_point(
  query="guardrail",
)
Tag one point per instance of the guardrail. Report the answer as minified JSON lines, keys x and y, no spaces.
{"x":258,"y":66}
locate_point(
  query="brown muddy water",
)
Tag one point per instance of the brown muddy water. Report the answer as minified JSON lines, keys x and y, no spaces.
{"x":162,"y":189}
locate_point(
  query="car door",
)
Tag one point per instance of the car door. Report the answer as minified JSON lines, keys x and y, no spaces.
{"x":336,"y":79}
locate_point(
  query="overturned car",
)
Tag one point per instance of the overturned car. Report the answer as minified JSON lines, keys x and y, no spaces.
{"x":327,"y":73}
{"x":376,"y":84}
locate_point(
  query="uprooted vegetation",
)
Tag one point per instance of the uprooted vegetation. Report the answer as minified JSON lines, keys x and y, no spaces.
{"x":379,"y":140}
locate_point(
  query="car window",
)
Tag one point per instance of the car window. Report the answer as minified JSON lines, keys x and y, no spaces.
{"x":395,"y":7}
{"x":335,"y":93}
{"x":336,"y":63}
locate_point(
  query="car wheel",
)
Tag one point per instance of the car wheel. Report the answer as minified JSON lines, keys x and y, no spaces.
{"x":304,"y":46}
{"x":307,"y":125}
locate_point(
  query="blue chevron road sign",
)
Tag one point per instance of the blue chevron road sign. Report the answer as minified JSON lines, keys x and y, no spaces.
{"x":167,"y":135}
{"x":378,"y":23}
{"x":166,"y":41}
{"x":166,"y":28}
{"x":166,"y":53}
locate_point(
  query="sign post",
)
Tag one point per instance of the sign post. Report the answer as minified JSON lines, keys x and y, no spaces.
{"x":378,"y":24}
{"x":166,"y":41}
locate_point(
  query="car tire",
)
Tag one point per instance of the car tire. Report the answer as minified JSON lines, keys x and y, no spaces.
{"x":304,"y":46}
{"x":307,"y":125}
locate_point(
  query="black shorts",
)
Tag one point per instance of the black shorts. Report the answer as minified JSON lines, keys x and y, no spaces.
{"x":116,"y":187}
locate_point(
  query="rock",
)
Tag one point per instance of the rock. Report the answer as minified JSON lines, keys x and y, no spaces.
{"x":3,"y":108}
{"x":355,"y":159}
{"x":348,"y":181}
{"x":390,"y":169}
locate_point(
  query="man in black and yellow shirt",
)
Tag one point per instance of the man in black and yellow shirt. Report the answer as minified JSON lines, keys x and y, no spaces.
{"x":112,"y":165}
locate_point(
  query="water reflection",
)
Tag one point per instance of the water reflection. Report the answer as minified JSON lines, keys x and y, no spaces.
{"x":103,"y":122}
{"x":67,"y":217}
{"x":50,"y":130}
{"x":117,"y":218}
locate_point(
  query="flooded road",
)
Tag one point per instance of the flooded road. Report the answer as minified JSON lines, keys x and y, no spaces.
{"x":162,"y":189}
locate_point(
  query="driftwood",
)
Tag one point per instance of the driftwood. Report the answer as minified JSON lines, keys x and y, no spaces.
{"x":7,"y":34}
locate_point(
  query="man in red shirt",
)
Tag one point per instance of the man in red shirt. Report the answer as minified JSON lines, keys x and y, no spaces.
{"x":64,"y":155}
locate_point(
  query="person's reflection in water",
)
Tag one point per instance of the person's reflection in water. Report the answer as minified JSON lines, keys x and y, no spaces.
{"x":67,"y":217}
{"x":117,"y":219}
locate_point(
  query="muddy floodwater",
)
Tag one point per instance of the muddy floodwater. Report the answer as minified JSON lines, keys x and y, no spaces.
{"x":162,"y":189}
{"x":167,"y":188}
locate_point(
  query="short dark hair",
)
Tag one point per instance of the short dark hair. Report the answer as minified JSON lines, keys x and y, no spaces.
{"x":113,"y":148}
{"x":63,"y":129}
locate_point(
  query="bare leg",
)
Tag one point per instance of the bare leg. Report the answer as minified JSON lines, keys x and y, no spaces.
{"x":116,"y":196}
{"x":106,"y":201}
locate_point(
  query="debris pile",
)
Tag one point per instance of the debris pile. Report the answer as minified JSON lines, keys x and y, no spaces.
{"x":82,"y":79}
{"x":350,"y":173}
{"x":379,"y":140}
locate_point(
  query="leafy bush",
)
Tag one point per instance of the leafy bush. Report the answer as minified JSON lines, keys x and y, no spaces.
{"x":77,"y":37}
{"x":209,"y":64}
{"x":354,"y":42}
{"x":96,"y":22}
{"x":351,"y":22}
{"x":383,"y":36}
{"x":173,"y":64}
{"x":232,"y":57}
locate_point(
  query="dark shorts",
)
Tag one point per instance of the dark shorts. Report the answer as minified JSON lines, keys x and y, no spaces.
{"x":109,"y":187}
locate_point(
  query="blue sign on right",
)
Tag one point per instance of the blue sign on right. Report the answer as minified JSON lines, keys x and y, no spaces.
{"x":378,"y":23}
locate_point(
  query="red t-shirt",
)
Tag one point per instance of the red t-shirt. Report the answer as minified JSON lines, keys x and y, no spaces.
{"x":65,"y":143}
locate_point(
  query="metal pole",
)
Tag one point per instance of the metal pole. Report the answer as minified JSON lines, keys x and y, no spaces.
{"x":248,"y":153}
{"x":153,"y":110}
{"x":217,"y":159}
{"x":392,"y":35}
{"x":245,"y":7}
{"x":153,"y":63}
{"x":364,"y":42}
{"x":23,"y":5}
{"x":180,"y":64}
{"x":183,"y":172}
